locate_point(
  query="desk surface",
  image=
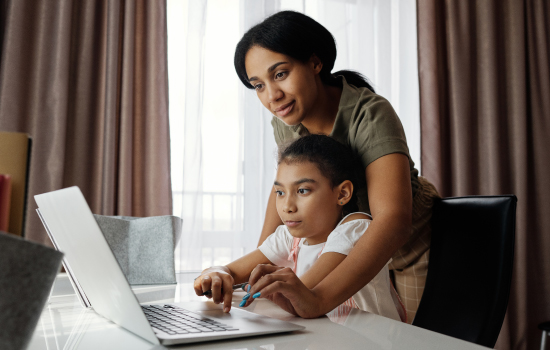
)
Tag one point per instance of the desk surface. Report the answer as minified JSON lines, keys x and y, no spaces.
{"x":64,"y":324}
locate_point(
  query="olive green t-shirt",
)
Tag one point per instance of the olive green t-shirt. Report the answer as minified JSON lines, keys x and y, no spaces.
{"x":366,"y":123}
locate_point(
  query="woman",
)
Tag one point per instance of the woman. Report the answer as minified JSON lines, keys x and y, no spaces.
{"x":288,"y":60}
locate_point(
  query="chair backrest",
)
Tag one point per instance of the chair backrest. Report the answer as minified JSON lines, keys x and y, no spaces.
{"x":470,"y":268}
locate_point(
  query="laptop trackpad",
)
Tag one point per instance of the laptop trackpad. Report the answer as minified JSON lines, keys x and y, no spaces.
{"x":200,"y":306}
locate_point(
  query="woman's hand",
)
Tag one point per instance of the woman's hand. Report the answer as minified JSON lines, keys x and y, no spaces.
{"x":220,"y":282}
{"x":284,"y":288}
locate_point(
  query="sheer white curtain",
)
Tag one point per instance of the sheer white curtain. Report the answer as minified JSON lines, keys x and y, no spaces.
{"x":223,"y":151}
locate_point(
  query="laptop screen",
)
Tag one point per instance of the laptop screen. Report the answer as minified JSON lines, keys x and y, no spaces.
{"x":77,"y":234}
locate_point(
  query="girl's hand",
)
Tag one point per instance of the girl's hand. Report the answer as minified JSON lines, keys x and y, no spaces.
{"x":284,"y":288}
{"x":220,"y":282}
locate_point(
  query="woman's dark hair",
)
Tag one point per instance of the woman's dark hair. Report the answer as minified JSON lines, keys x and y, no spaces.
{"x":334,"y":160}
{"x":298,"y":36}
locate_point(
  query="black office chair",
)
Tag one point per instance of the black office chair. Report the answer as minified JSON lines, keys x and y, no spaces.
{"x":545,"y":328}
{"x":470,"y":268}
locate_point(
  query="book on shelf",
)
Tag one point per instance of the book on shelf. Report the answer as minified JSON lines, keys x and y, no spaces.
{"x":5,"y":197}
{"x":15,"y":154}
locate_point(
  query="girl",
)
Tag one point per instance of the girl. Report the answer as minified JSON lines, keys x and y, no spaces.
{"x":287,"y":59}
{"x":315,"y":199}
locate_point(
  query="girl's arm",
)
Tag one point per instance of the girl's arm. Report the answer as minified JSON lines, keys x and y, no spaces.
{"x":220,"y":279}
{"x":272,"y":219}
{"x":242,"y":267}
{"x":390,"y":199}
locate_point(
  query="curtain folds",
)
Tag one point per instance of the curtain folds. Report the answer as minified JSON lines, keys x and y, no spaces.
{"x":484,"y":88}
{"x":211,"y":192}
{"x":88,"y":81}
{"x":189,"y":252}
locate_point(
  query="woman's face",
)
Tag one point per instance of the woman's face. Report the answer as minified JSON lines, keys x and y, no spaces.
{"x":288,"y":88}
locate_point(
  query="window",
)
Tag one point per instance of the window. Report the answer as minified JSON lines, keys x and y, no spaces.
{"x":223,"y":151}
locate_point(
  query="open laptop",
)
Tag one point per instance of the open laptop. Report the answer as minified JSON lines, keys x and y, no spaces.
{"x":70,"y":221}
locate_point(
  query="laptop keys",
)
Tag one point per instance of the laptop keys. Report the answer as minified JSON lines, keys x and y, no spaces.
{"x":175,"y":321}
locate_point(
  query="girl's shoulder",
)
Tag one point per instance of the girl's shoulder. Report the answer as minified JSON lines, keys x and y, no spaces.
{"x":354,"y":217}
{"x":347,"y":233}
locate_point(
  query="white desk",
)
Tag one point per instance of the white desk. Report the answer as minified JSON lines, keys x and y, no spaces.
{"x":64,"y":324}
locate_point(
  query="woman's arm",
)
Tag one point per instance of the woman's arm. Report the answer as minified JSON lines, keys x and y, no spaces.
{"x":321,"y":268}
{"x":327,"y":262}
{"x":390,"y":199}
{"x":272,"y":219}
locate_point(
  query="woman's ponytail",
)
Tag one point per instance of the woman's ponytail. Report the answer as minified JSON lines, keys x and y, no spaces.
{"x":354,"y":78}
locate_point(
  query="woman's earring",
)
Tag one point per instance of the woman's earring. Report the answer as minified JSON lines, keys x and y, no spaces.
{"x":341,"y":202}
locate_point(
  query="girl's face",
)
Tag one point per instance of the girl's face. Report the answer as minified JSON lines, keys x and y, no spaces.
{"x":306,"y":201}
{"x":287,"y":87}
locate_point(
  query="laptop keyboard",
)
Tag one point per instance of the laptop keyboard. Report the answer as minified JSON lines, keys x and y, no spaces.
{"x":174,"y":320}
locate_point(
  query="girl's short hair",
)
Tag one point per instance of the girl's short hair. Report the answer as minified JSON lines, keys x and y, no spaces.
{"x":298,"y":36}
{"x":334,"y":160}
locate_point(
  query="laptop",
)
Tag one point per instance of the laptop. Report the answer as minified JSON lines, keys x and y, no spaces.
{"x":70,"y":222}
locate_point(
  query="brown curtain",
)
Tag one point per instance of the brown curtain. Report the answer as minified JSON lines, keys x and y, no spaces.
{"x":485,"y":112}
{"x":88,"y":81}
